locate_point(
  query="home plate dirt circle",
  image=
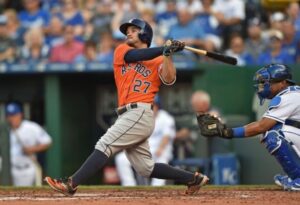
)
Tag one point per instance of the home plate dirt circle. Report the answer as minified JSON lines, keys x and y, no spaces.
{"x":210,"y":195}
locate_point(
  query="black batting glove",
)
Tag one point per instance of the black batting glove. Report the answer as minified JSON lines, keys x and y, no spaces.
{"x":172,"y":46}
{"x":177,"y":45}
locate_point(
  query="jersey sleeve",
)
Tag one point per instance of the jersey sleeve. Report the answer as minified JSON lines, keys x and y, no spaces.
{"x":42,"y":136}
{"x":280,"y":108}
{"x":120,"y":52}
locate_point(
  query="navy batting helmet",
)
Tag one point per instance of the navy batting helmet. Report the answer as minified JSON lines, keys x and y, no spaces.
{"x":270,"y":74}
{"x":145,"y":34}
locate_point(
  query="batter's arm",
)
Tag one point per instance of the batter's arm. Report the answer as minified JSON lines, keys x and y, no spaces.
{"x":168,"y":71}
{"x":143,"y":54}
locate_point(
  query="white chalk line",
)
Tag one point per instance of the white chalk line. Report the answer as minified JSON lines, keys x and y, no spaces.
{"x":60,"y":197}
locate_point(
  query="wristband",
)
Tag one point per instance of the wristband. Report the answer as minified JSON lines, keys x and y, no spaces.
{"x":238,"y":132}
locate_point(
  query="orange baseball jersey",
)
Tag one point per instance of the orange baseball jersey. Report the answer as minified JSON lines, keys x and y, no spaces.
{"x":136,"y":82}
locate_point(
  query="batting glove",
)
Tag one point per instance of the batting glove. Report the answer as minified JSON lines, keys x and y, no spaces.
{"x":172,"y":46}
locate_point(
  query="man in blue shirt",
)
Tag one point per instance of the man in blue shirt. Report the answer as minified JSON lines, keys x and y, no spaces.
{"x":33,"y":16}
{"x":276,"y":54}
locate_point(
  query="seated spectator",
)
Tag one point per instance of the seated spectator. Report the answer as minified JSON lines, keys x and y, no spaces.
{"x":206,"y":20}
{"x":193,"y":6}
{"x":68,"y":50}
{"x":106,"y":49}
{"x":51,"y":6}
{"x":254,"y":43}
{"x":275,"y":54}
{"x":230,"y":14}
{"x":237,"y":50}
{"x":291,"y":40}
{"x":70,"y":15}
{"x":123,"y":12}
{"x":88,"y":9}
{"x":293,"y":13}
{"x":89,"y":54}
{"x":34,"y":50}
{"x":186,"y":30}
{"x":56,"y":31}
{"x":88,"y":28}
{"x":14,"y":29}
{"x":91,"y":4}
{"x":8,"y":48}
{"x":33,"y":16}
{"x":101,"y":21}
{"x":148,"y":16}
{"x":275,"y":21}
{"x":167,"y":17}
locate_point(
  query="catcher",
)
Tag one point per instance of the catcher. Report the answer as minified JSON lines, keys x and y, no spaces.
{"x":280,"y":125}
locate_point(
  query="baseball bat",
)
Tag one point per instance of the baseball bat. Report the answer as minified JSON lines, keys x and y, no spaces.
{"x":217,"y":56}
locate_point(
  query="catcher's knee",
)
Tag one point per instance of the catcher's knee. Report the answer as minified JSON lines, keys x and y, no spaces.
{"x":284,"y":152}
{"x":272,"y":141}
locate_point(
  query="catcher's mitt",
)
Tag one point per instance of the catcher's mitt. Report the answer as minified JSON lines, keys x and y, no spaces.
{"x":211,"y":126}
{"x":172,"y":46}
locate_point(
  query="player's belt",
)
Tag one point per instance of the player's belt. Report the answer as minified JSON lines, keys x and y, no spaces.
{"x":125,"y":108}
{"x":292,"y":123}
{"x":25,"y":166}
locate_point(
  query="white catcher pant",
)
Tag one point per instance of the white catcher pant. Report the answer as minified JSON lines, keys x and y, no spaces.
{"x":124,"y":170}
{"x":23,"y":177}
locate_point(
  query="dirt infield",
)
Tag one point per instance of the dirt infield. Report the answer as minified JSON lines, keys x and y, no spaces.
{"x":210,"y":195}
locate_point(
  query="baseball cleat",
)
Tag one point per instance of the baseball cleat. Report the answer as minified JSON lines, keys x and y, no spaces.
{"x":294,"y":185}
{"x":282,"y":180}
{"x":194,"y":186}
{"x":63,"y":186}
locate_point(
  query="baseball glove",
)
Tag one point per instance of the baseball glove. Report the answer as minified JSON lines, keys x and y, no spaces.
{"x":211,"y":126}
{"x":172,"y":46}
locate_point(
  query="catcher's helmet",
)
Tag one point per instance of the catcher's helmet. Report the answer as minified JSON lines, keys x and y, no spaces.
{"x":270,"y":74}
{"x":145,"y":34}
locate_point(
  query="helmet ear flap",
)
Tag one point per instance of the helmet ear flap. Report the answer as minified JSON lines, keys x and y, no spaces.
{"x":142,"y":35}
{"x":146,"y":34}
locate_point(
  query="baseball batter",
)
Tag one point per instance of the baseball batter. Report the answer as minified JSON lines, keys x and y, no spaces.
{"x":280,"y":124}
{"x":138,"y":71}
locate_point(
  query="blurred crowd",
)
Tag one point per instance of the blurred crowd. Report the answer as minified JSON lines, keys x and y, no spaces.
{"x":81,"y":31}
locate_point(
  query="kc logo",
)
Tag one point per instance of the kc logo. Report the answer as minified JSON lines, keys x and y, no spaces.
{"x":229,"y":176}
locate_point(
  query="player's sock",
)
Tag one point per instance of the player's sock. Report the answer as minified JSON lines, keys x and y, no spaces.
{"x":165,"y":171}
{"x":89,"y":168}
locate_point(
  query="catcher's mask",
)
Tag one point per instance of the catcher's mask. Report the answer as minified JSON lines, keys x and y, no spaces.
{"x":268,"y":74}
{"x":145,"y":34}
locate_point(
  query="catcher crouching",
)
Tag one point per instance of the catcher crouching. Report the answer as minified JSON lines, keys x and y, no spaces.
{"x":280,"y":124}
